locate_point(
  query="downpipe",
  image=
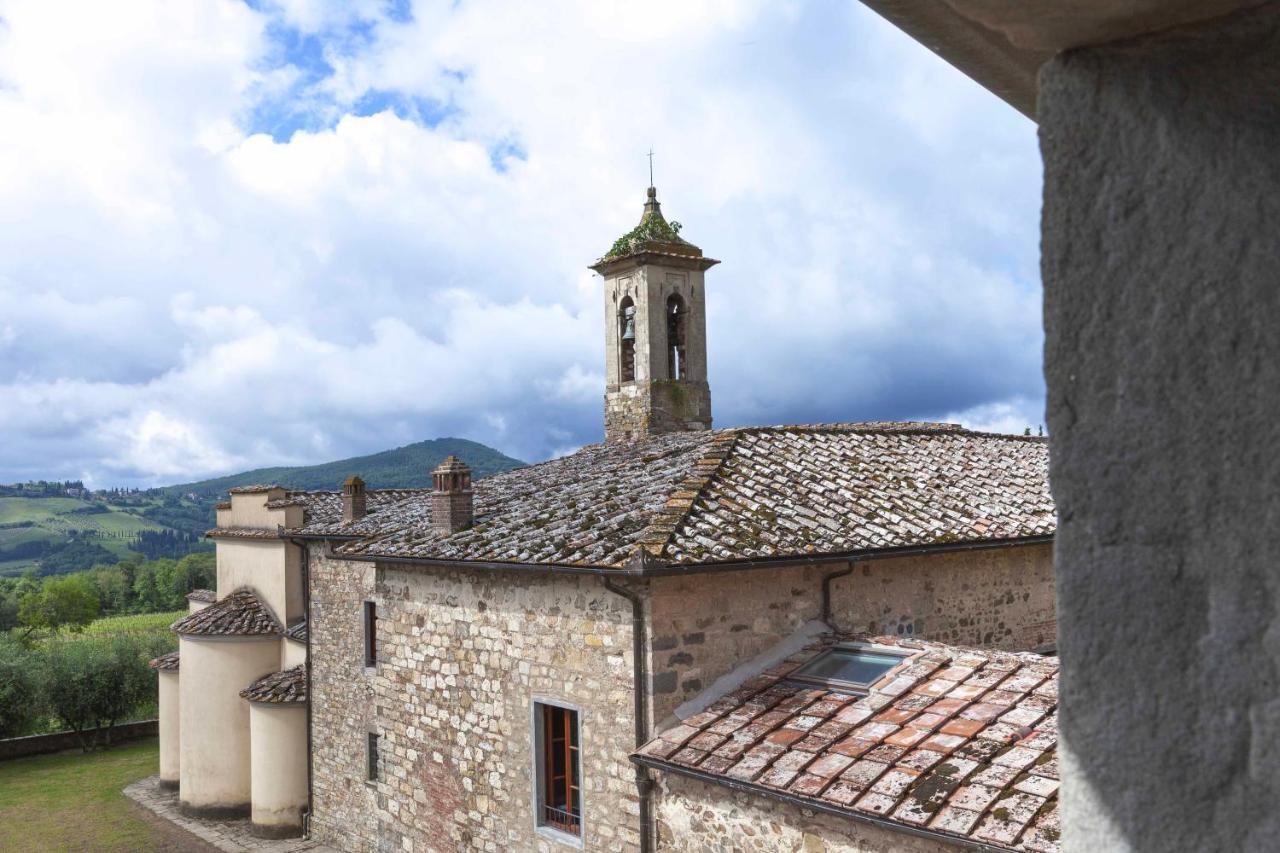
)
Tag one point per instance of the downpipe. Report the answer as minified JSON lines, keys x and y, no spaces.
{"x":644,"y":781}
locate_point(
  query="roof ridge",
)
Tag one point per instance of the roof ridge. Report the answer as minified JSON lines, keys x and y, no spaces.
{"x":946,"y":428}
{"x":681,"y":500}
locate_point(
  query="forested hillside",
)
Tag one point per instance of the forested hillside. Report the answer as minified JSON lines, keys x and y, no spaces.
{"x":405,"y":467}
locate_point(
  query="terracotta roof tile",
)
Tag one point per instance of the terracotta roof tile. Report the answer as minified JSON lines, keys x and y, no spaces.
{"x":239,"y":614}
{"x":202,"y":595}
{"x":166,"y":662}
{"x":730,"y":495}
{"x":893,"y":764}
{"x":279,"y":688}
{"x":255,"y":488}
{"x":322,"y":513}
{"x":297,"y":631}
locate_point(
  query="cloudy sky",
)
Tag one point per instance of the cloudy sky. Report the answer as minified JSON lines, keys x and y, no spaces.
{"x":245,"y":233}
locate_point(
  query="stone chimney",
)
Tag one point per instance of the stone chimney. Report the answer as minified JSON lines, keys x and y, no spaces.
{"x":451,"y":504}
{"x":353,"y":499}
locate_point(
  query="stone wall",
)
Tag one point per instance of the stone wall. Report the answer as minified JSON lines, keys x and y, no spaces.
{"x":706,"y":625}
{"x":998,"y":597}
{"x":700,"y":817}
{"x":462,"y":658}
{"x":639,"y":409}
{"x":342,"y":705}
{"x":1162,"y":359}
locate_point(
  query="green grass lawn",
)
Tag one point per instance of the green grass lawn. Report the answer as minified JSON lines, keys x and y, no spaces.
{"x":72,"y":801}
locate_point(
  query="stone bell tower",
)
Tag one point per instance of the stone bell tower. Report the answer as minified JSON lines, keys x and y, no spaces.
{"x":655,"y":331}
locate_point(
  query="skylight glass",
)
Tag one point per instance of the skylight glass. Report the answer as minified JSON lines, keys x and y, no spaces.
{"x":844,"y":667}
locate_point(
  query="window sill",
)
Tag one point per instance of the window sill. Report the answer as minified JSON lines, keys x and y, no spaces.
{"x":371,"y":670}
{"x":562,"y":837}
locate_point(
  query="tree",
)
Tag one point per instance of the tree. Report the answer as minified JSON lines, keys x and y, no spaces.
{"x":90,"y":684}
{"x":20,"y":699}
{"x":145,"y":594}
{"x":114,"y":592}
{"x":64,"y":602}
{"x":75,"y":683}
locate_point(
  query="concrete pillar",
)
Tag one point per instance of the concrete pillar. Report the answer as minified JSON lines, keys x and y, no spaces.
{"x":1162,"y":355}
{"x":214,"y":763}
{"x":170,"y":729}
{"x":279,"y":745}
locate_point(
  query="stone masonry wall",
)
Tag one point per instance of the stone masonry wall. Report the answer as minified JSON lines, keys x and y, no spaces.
{"x":465,"y":655}
{"x":706,"y":625}
{"x":700,"y":817}
{"x":1000,"y":597}
{"x":342,"y":706}
{"x":640,"y":409}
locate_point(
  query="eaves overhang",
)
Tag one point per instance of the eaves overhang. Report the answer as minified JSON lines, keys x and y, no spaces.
{"x":650,"y":568}
{"x":1001,"y":44}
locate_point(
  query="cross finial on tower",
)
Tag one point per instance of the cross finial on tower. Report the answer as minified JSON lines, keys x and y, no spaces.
{"x":650,"y":155}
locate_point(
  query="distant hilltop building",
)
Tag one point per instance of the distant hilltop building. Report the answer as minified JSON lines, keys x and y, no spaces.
{"x":822,"y":637}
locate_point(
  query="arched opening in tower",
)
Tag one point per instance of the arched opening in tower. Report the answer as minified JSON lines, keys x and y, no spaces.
{"x":676,"y":314}
{"x":627,"y":340}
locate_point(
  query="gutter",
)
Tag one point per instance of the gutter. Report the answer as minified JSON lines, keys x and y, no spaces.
{"x":306,"y":614}
{"x":816,"y":806}
{"x":650,"y":570}
{"x":644,"y":782}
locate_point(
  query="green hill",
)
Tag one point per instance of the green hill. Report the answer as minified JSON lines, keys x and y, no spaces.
{"x":67,"y":534}
{"x":405,"y":467}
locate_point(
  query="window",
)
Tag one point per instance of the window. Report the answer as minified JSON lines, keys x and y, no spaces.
{"x":559,"y":769}
{"x":371,"y":757}
{"x":370,"y":634}
{"x":676,"y":316}
{"x":627,"y":340}
{"x":850,"y":667}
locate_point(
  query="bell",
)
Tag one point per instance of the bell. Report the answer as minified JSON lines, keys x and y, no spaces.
{"x":629,"y":331}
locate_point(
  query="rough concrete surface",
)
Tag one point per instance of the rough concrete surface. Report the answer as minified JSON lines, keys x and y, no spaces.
{"x":1161,"y":267}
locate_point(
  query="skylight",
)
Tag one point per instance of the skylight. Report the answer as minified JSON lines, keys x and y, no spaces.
{"x":847,"y":667}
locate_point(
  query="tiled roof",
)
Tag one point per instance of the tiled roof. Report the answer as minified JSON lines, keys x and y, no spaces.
{"x":166,"y":662}
{"x":736,"y":494}
{"x":324,"y":510}
{"x":240,"y":614}
{"x":242,"y":533}
{"x":958,"y":741}
{"x":591,"y":508}
{"x":202,"y":595}
{"x":322,"y":513}
{"x":279,"y":688}
{"x":256,"y":488}
{"x":297,"y":631}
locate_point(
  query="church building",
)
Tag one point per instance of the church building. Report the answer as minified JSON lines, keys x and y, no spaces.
{"x":818,"y":637}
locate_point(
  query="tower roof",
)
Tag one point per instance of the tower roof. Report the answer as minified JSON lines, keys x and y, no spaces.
{"x":653,"y":236}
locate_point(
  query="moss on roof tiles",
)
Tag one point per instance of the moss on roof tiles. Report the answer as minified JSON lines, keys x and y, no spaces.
{"x":736,"y":494}
{"x":240,"y":614}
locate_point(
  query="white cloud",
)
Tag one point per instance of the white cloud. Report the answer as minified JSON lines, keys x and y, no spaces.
{"x":1013,"y":417}
{"x":181,"y":293}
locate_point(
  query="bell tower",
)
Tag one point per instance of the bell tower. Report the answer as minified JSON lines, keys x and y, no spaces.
{"x":655,"y":331}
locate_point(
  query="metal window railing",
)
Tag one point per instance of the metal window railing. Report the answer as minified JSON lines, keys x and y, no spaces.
{"x":561,"y":819}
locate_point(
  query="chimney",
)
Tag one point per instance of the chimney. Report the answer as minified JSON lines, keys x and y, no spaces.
{"x":353,"y":499}
{"x":451,"y":506}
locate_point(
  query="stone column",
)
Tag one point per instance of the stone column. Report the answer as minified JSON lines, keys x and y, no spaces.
{"x":1162,"y":355}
